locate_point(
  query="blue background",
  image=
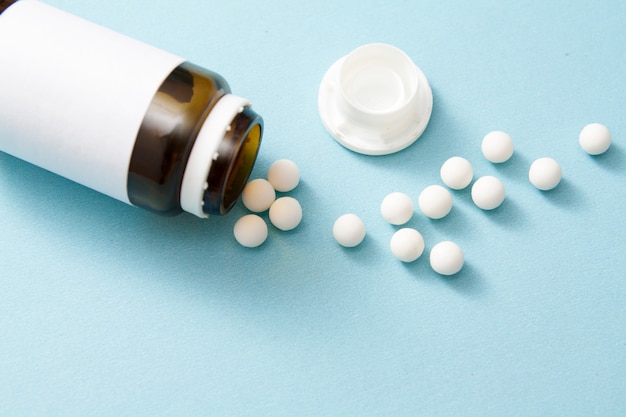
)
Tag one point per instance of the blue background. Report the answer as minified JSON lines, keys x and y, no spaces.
{"x":107,"y":310}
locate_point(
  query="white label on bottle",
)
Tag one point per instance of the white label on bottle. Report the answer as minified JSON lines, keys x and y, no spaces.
{"x":73,"y":94}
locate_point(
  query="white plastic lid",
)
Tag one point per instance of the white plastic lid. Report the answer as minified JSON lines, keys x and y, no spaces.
{"x":375,"y":100}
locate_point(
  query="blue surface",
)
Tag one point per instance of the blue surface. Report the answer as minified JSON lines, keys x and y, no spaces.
{"x":106,"y":310}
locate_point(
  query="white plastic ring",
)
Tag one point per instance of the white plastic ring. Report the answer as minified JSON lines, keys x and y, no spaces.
{"x":204,"y":151}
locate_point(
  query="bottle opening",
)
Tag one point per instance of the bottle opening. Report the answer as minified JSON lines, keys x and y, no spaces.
{"x":233,"y":162}
{"x":242,"y":166}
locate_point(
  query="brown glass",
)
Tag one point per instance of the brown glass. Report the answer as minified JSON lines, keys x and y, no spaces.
{"x":166,"y":137}
{"x":235,"y":157}
{"x":4,"y":4}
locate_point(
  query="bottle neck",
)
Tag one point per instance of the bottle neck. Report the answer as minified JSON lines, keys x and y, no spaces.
{"x":167,"y":135}
{"x":196,"y":146}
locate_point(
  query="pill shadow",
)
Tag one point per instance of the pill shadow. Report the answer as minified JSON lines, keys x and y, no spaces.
{"x":464,"y":196}
{"x":612,"y":160}
{"x":508,"y":215}
{"x":362,"y":254}
{"x":515,"y":168}
{"x":454,"y":223}
{"x":467,"y":281}
{"x":566,"y":195}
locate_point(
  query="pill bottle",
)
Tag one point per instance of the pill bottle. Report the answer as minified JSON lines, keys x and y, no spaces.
{"x":119,"y":116}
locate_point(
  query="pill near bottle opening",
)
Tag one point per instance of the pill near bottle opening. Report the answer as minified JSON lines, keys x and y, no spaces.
{"x":258,"y":195}
{"x":456,"y":173}
{"x":286,"y":213}
{"x":595,"y":139}
{"x":407,"y":244}
{"x":435,"y":202}
{"x":488,"y":192}
{"x":397,"y":208}
{"x":497,"y":147}
{"x":545,"y":173}
{"x":446,"y":258}
{"x":250,"y":231}
{"x":284,"y":175}
{"x":349,"y":230}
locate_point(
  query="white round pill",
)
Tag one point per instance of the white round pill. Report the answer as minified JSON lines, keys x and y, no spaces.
{"x":250,"y":231}
{"x":284,"y":175}
{"x":497,"y":147}
{"x":488,"y":192}
{"x":446,"y":258}
{"x":397,"y":208}
{"x":595,"y":139}
{"x":435,"y":202}
{"x":349,"y":230}
{"x":286,"y":213}
{"x":258,"y":195}
{"x":545,"y":173}
{"x":407,"y":244}
{"x":456,"y":173}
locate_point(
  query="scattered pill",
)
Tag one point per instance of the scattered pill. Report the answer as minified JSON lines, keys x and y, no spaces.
{"x":435,"y":202}
{"x":286,"y":213}
{"x":456,"y":173}
{"x":595,"y":139}
{"x":397,"y":208}
{"x":446,"y":258}
{"x":349,"y":230}
{"x":407,"y":244}
{"x":250,"y":231}
{"x":258,"y":195}
{"x":545,"y":173}
{"x":488,"y":192}
{"x":497,"y":147}
{"x":284,"y":175}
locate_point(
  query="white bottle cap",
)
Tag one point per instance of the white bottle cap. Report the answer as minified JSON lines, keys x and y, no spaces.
{"x":375,"y":100}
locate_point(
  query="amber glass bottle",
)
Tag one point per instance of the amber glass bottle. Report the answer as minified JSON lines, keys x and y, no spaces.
{"x":119,"y":116}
